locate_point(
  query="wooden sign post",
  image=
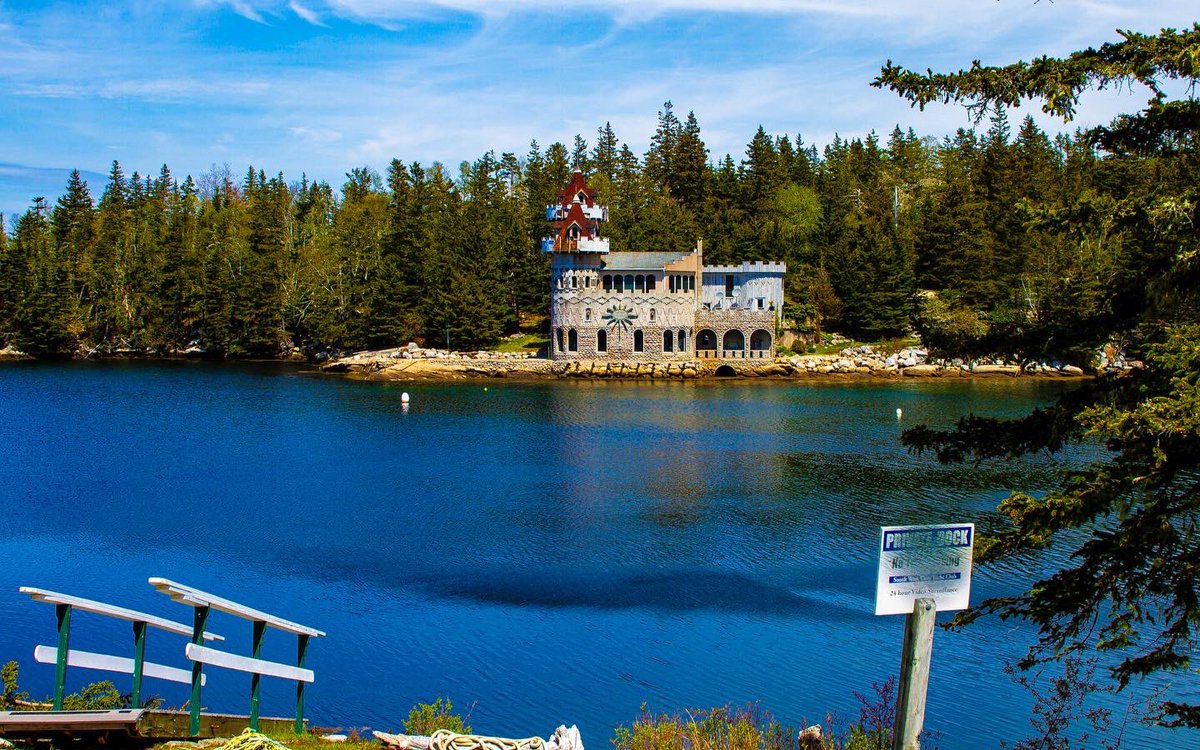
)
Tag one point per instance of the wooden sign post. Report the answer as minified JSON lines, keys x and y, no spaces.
{"x":915,"y":657}
{"x":921,"y":569}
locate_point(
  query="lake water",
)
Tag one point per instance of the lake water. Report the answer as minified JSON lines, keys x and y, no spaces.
{"x":539,"y":552}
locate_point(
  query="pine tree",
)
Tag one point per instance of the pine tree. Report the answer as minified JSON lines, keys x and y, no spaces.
{"x":604,"y":154}
{"x":690,"y":180}
{"x":660,"y":161}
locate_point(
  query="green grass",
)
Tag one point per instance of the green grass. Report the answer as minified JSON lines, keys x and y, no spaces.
{"x":884,"y":346}
{"x":528,"y":342}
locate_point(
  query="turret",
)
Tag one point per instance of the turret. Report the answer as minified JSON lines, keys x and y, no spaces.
{"x":576,"y":218}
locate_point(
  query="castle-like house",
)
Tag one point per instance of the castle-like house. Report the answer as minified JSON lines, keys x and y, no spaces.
{"x":651,"y":306}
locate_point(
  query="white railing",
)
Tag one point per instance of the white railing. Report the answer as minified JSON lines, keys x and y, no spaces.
{"x":597,"y":245}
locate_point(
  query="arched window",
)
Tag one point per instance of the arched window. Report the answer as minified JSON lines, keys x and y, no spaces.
{"x":671,"y":283}
{"x":629,"y":282}
{"x":572,"y":341}
{"x":653,"y":315}
{"x":639,"y":283}
{"x":587,"y":315}
{"x":608,"y":282}
{"x":682,"y":340}
{"x":558,"y":336}
{"x":760,"y":341}
{"x":650,"y":283}
{"x":602,"y":340}
{"x":574,"y":282}
{"x":668,"y":341}
{"x":639,"y":341}
{"x":733,"y":341}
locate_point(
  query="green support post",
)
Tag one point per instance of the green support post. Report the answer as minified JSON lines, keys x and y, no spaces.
{"x":199,"y":622}
{"x":139,"y":660}
{"x":259,"y":629}
{"x":62,"y":613}
{"x":301,"y":652}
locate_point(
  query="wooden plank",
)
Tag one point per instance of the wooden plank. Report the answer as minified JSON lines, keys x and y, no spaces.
{"x":17,"y":722}
{"x":194,"y":597}
{"x":212,"y":657}
{"x":106,"y":663}
{"x":156,"y":724}
{"x":166,"y":725}
{"x":108,"y":610}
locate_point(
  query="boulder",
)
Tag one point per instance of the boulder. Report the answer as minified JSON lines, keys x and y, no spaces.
{"x":919,"y":371}
{"x":1072,"y":370}
{"x":1010,"y":370}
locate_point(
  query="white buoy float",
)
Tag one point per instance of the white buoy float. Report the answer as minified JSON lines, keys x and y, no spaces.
{"x":899,"y":413}
{"x":404,"y":397}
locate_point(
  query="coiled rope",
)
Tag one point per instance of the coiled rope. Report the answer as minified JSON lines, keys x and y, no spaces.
{"x":252,"y":740}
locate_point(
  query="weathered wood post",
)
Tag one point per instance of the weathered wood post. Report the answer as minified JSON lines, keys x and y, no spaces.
{"x":199,"y":623}
{"x":62,"y":613}
{"x":915,"y":658}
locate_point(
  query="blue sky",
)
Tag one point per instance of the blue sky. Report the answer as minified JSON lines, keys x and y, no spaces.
{"x":321,"y":86}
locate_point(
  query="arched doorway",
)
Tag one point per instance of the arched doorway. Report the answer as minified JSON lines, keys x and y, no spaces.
{"x":733,"y":343}
{"x":706,"y":343}
{"x":760,"y":343}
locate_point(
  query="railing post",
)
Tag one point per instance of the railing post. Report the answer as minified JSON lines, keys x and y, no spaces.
{"x":139,"y":660}
{"x":199,"y":623}
{"x":301,"y":652}
{"x":259,"y":628}
{"x":62,"y":613}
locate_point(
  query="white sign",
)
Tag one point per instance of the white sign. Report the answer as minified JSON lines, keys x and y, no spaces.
{"x":924,"y":562}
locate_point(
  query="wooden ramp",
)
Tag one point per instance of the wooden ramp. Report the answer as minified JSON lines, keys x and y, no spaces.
{"x":128,"y":725}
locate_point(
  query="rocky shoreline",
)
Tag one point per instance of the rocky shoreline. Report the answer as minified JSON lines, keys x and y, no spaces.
{"x":414,"y":363}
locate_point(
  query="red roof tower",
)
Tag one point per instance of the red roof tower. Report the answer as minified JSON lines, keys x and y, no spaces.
{"x":576,"y":218}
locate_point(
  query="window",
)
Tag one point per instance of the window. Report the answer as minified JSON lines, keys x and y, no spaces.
{"x":587,"y":315}
{"x":639,"y":283}
{"x":650,"y":283}
{"x":668,"y":341}
{"x":652,"y":315}
{"x":760,"y":303}
{"x":572,"y":341}
{"x":671,"y":283}
{"x":682,"y":340}
{"x":574,"y":282}
{"x":558,"y":335}
{"x":729,"y":285}
{"x":691,"y":283}
{"x":629,"y":282}
{"x":639,"y":340}
{"x":587,"y":281}
{"x":608,"y":282}
{"x":602,"y":340}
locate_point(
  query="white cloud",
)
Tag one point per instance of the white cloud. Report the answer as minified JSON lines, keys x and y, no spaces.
{"x":306,"y":14}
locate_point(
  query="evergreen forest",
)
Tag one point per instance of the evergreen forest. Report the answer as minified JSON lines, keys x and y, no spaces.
{"x":880,"y":235}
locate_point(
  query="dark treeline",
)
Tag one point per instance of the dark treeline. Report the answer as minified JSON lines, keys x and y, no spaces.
{"x":877,"y":236}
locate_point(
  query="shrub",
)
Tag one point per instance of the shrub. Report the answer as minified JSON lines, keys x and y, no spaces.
{"x":426,"y":718}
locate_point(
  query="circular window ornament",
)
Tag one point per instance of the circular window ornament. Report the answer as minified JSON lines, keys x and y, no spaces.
{"x":620,"y":316}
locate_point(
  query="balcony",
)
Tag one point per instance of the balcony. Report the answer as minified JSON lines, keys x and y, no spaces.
{"x":581,"y":245}
{"x":596,"y":245}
